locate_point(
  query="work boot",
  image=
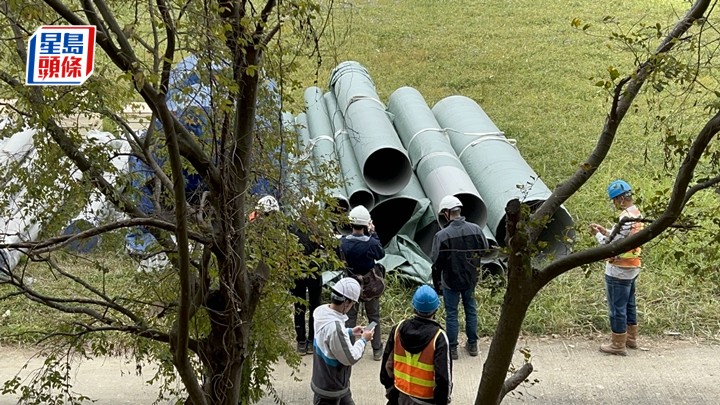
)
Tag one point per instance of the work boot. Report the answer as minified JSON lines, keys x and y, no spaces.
{"x":302,"y":347}
{"x":472,"y":349}
{"x":632,"y":332}
{"x":454,"y":353}
{"x":377,"y":354}
{"x":616,"y":346}
{"x":310,"y":347}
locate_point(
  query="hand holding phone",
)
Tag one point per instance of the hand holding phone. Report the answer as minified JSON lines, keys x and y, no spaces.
{"x":369,"y":331}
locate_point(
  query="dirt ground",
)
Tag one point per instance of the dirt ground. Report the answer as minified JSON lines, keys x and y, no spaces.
{"x":670,"y":370}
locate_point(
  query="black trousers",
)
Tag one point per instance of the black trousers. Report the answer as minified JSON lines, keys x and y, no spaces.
{"x":372,"y":309}
{"x":309,"y":289}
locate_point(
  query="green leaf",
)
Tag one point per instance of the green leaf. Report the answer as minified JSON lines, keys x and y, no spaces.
{"x":614,"y":74}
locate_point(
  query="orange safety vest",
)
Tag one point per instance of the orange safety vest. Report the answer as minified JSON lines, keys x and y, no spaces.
{"x":632,"y":257}
{"x":414,"y":373}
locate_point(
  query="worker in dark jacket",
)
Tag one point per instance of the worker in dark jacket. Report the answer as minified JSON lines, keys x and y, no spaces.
{"x":360,"y":250}
{"x":308,"y":286}
{"x":417,"y":368}
{"x":456,"y":254}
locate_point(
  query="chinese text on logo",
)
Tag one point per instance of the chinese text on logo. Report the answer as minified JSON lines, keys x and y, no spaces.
{"x":60,"y":55}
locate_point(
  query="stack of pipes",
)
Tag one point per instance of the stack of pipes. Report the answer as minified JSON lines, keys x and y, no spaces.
{"x":394,"y":158}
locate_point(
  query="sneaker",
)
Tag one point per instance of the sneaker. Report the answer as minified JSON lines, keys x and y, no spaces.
{"x":454,"y":353}
{"x":472,"y":349}
{"x":310,"y":347}
{"x":302,"y":347}
{"x":377,"y":354}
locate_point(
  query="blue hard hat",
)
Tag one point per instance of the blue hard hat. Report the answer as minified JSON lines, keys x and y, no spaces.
{"x":425,"y":300}
{"x":618,"y":188}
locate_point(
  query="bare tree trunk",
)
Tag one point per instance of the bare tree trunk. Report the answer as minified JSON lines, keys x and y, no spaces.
{"x":519,"y":295}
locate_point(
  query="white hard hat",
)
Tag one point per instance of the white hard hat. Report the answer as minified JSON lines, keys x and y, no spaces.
{"x":359,"y":216}
{"x":348,"y":288}
{"x":267,"y":204}
{"x":449,"y":202}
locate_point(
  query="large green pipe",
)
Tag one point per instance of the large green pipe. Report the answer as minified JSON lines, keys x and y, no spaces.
{"x":432,"y":156}
{"x":392,"y":212}
{"x":385,"y":165}
{"x":498,"y":170}
{"x":290,"y":177}
{"x":357,"y":191}
{"x":322,"y":144}
{"x":307,"y":171}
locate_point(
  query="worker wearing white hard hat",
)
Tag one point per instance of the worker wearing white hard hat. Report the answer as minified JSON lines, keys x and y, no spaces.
{"x":335,"y":354}
{"x":265,"y":205}
{"x":360,"y":250}
{"x":456,"y":253}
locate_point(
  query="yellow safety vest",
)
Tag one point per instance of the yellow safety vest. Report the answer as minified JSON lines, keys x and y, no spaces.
{"x":632,"y":257}
{"x":415,"y":373}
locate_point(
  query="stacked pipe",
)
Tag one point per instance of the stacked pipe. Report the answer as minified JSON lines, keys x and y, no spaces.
{"x":433,"y":159}
{"x":498,"y":170}
{"x":393,"y":158}
{"x":322,"y":143}
{"x":357,"y":190}
{"x":384,"y":163}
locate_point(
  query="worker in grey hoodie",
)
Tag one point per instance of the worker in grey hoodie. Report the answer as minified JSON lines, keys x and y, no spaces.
{"x":335,"y":354}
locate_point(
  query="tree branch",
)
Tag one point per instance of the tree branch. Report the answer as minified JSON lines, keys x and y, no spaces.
{"x":516,"y":379}
{"x":678,"y":199}
{"x":624,"y":97}
{"x":189,"y":147}
{"x":58,"y":242}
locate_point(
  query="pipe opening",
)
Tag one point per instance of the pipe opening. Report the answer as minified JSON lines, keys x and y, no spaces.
{"x":473,"y":210}
{"x":424,"y":237}
{"x":391,"y":215}
{"x":387,"y":171}
{"x":362,"y":197}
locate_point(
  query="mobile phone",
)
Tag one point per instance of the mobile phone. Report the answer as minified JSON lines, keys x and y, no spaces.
{"x":372,"y":326}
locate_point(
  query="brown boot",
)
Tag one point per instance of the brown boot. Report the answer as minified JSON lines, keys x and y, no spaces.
{"x":632,"y":332}
{"x":616,"y":346}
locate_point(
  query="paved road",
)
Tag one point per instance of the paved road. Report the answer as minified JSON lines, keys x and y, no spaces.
{"x":570,"y":371}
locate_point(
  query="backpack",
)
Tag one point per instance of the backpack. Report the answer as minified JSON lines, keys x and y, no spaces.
{"x":372,"y":283}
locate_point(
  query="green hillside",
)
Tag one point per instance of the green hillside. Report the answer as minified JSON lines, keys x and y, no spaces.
{"x":535,"y":75}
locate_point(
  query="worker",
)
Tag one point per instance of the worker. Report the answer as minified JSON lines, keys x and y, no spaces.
{"x":360,"y":250}
{"x":335,"y":354}
{"x":621,"y":271}
{"x":417,"y":368}
{"x":307,"y":289}
{"x":265,"y":205}
{"x":456,"y":255}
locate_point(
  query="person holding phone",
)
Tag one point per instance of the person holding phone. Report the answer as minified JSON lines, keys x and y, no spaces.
{"x":335,"y":354}
{"x":418,"y":349}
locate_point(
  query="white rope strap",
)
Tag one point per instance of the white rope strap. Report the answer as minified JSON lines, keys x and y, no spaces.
{"x":354,"y":99}
{"x":483,"y":136}
{"x":432,"y":155}
{"x":412,"y":138}
{"x":339,"y":132}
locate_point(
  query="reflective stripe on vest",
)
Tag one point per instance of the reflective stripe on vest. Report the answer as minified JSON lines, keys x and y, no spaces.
{"x":632,"y":257}
{"x":415,"y":373}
